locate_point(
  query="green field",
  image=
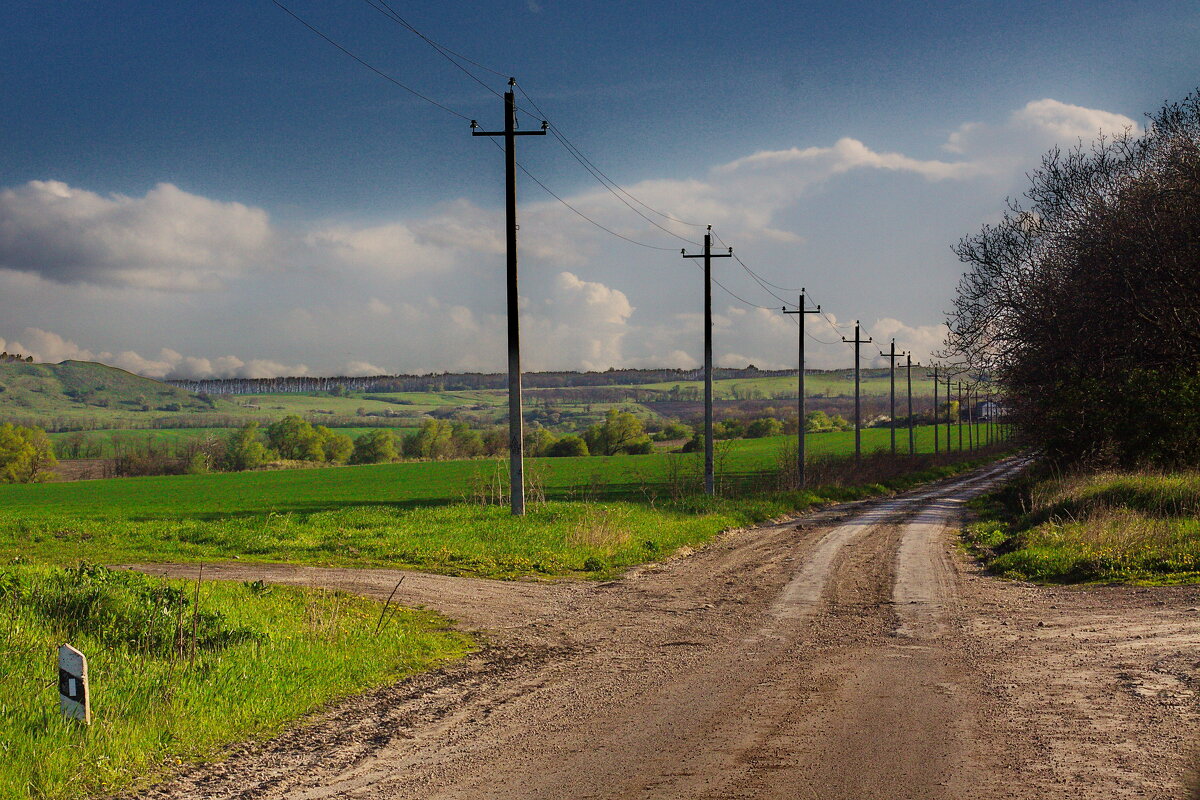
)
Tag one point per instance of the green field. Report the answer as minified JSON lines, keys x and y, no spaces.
{"x":431,"y":515}
{"x":400,"y":484}
{"x":82,"y":395}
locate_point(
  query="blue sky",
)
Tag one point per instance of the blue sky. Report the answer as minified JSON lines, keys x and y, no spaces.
{"x":212,"y":189}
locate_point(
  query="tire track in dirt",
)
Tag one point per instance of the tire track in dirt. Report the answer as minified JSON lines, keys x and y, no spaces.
{"x":847,"y":654}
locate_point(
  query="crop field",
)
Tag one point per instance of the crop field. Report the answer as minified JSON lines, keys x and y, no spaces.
{"x":404,"y":483}
{"x":275,"y":405}
{"x":440,"y":516}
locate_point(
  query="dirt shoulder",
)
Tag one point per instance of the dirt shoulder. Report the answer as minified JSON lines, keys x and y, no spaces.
{"x":851,"y":653}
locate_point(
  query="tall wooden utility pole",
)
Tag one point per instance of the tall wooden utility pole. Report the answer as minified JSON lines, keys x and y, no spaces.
{"x":948,"y":383}
{"x":912,"y":448}
{"x":959,"y":386}
{"x":801,"y":310}
{"x":971,"y":388}
{"x":709,"y":476}
{"x":891,"y":357}
{"x":857,"y":341}
{"x":937,"y":415}
{"x":516,"y":434}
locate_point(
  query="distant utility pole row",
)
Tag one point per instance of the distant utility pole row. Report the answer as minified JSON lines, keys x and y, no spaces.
{"x":516,"y":442}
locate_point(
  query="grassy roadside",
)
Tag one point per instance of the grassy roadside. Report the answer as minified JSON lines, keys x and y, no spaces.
{"x":174,"y":681}
{"x":1099,"y":527}
{"x":555,"y":539}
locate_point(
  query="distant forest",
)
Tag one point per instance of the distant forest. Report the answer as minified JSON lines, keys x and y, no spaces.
{"x":465,"y":381}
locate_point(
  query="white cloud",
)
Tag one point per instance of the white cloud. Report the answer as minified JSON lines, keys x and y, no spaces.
{"x":426,"y":293}
{"x":921,"y":340}
{"x":49,"y":348}
{"x":1031,"y":130}
{"x":168,"y":239}
{"x":812,"y":164}
{"x":355,"y":369}
{"x":1068,"y":122}
{"x":581,"y":322}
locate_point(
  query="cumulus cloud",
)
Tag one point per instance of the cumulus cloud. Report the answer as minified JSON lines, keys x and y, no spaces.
{"x":921,"y":340}
{"x":168,"y":239}
{"x":356,"y":369}
{"x":1031,"y":129}
{"x":425,"y":293}
{"x":812,"y":164}
{"x":582,"y":322}
{"x":50,"y":348}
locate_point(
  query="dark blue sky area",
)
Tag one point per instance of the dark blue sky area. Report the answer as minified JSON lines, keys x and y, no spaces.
{"x":239,"y":101}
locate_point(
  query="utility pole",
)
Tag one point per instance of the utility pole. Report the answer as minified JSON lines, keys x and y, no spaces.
{"x":516,"y":437}
{"x":709,"y":476}
{"x":972,"y":389}
{"x":912,"y":448}
{"x":801,"y":310}
{"x":959,"y":387}
{"x":937,"y":416}
{"x":987,"y":420}
{"x":891,"y":357}
{"x":857,"y":341}
{"x":949,"y":441}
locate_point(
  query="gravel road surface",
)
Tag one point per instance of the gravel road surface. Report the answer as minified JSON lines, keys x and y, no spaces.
{"x":851,"y":653}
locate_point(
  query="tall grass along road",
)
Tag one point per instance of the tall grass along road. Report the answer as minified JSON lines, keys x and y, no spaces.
{"x":853,"y":653}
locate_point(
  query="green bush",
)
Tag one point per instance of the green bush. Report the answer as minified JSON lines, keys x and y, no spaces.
{"x":26,"y":454}
{"x":377,"y":446}
{"x":244,"y":449}
{"x":569,"y":445}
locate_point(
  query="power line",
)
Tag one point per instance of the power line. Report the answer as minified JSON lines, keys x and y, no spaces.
{"x":762,"y":282}
{"x":391,"y":12}
{"x":550,"y":192}
{"x":736,"y":296}
{"x":612,"y":186}
{"x":383,"y":8}
{"x":599,"y":174}
{"x":367,"y":64}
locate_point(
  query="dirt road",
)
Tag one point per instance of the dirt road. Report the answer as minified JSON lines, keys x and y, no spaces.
{"x":852,"y":653}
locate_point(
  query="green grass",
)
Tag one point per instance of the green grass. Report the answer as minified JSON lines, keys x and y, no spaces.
{"x":402,"y":484}
{"x":264,"y":656}
{"x":1093,"y":528}
{"x":422,"y":515}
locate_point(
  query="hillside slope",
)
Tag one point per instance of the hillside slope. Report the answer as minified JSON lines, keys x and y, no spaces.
{"x":75,"y":389}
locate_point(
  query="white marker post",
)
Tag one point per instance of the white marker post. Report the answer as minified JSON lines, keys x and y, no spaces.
{"x":73,"y":694}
